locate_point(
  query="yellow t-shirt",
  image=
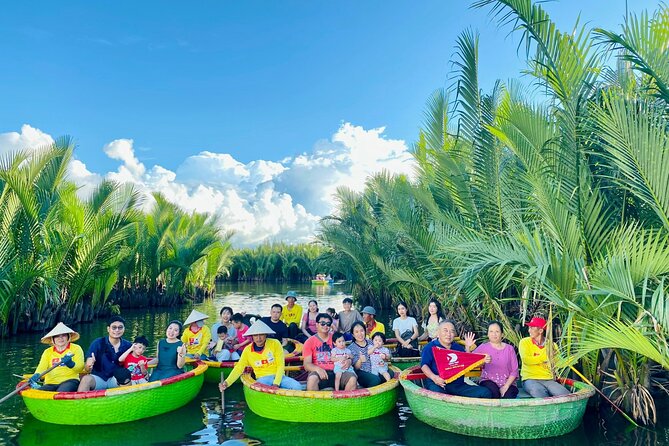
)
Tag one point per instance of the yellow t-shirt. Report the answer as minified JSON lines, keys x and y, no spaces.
{"x":378,"y":328}
{"x":268,"y":361}
{"x":294,"y":314}
{"x":534,"y":360}
{"x":196,"y":343}
{"x":50,"y":357}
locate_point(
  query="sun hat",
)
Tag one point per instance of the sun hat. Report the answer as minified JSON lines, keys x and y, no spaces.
{"x":195,"y":316}
{"x":369,"y":310}
{"x":59,"y":329}
{"x":538,"y":322}
{"x":258,"y":328}
{"x":292,"y":294}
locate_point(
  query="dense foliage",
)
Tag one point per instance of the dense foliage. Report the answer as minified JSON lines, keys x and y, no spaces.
{"x":61,"y":257}
{"x":277,"y":262}
{"x":551,"y":200}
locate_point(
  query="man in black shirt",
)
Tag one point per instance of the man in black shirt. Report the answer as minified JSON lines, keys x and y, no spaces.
{"x":280,"y":329}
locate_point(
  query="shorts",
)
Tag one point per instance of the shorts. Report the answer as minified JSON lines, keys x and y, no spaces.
{"x":329,"y":382}
{"x":102,"y":384}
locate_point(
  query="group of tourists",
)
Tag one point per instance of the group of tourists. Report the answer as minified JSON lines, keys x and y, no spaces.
{"x":341,"y":351}
{"x":110,"y":361}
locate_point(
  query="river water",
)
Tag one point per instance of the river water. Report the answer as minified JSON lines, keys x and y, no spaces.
{"x":201,"y":423}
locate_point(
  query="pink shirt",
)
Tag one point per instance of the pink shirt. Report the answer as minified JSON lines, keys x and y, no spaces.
{"x":319,"y":351}
{"x":504,"y":363}
{"x":311,"y":324}
{"x":241,"y":332}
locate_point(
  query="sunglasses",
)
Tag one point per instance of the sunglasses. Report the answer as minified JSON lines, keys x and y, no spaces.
{"x":116,"y":327}
{"x":325,"y":324}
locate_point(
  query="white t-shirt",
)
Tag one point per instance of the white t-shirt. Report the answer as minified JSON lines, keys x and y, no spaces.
{"x":403,"y":325}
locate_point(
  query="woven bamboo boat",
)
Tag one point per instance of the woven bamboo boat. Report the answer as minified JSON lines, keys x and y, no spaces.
{"x":321,"y":282}
{"x":213,"y":373}
{"x":117,"y":405}
{"x":323,"y":406}
{"x":523,"y":418}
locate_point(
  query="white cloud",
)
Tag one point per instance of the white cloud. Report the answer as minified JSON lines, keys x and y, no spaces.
{"x":261,"y":200}
{"x":29,"y":138}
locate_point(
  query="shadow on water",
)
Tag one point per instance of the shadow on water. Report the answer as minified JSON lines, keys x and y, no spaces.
{"x":177,"y":427}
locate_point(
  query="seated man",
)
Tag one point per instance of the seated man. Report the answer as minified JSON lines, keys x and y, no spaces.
{"x":280,"y":329}
{"x":102,"y":357}
{"x":428,"y":364}
{"x":292,"y":315}
{"x":317,"y":360}
{"x":265,"y":357}
{"x":373,"y":326}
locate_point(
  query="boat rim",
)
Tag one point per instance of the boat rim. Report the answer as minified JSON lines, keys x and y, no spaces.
{"x":583,"y":391}
{"x":252,"y":384}
{"x":120,"y":390}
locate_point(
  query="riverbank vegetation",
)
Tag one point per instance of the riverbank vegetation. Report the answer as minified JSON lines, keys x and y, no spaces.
{"x":551,"y":198}
{"x":277,"y":262}
{"x":64,"y":258}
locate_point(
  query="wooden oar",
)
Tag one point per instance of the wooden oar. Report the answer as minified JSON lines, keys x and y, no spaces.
{"x":604,"y":396}
{"x":6,"y":397}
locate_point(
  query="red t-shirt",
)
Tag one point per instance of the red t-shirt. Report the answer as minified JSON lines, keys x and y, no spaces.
{"x":319,"y":352}
{"x":130,"y":363}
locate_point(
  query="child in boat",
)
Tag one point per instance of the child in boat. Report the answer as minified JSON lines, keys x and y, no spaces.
{"x":241,"y":328}
{"x":335,"y":320}
{"x":379,"y":356}
{"x":223,"y":348}
{"x":122,"y":376}
{"x":341,"y":357}
{"x":134,"y":360}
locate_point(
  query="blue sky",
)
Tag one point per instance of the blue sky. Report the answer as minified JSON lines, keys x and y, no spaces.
{"x":255,"y":80}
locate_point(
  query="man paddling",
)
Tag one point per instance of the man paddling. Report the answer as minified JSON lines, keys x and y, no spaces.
{"x":265,"y":357}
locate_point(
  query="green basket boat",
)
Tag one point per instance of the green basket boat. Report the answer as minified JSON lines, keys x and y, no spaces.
{"x":523,"y":418}
{"x":319,"y":406}
{"x":117,"y":405}
{"x":214,"y":370}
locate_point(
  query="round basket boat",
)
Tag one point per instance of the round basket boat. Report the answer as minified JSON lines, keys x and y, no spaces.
{"x":320,"y":282}
{"x":213,"y":373}
{"x":117,"y":405}
{"x":403,"y":363}
{"x":523,"y":418}
{"x":323,"y":406}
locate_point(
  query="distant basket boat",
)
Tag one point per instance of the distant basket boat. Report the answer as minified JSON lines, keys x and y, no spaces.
{"x":213,"y":373}
{"x":523,"y":418}
{"x":117,"y":405}
{"x":321,"y":282}
{"x":319,"y":406}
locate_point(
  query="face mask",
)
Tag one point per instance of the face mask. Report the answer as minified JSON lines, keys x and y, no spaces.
{"x":200,"y":324}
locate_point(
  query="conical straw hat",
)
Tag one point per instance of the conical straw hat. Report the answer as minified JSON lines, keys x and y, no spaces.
{"x":259,"y":327}
{"x":195,"y":316}
{"x":59,"y":329}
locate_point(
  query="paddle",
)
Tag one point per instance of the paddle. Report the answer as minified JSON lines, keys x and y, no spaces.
{"x":67,"y":358}
{"x":222,"y":395}
{"x":604,"y":396}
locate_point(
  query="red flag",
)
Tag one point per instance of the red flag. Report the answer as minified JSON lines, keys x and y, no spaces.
{"x":452,"y":364}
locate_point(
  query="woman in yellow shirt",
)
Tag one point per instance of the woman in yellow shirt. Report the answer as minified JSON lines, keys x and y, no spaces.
{"x":64,"y":378}
{"x":196,"y":336}
{"x":265,"y":357}
{"x":536,"y":371}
